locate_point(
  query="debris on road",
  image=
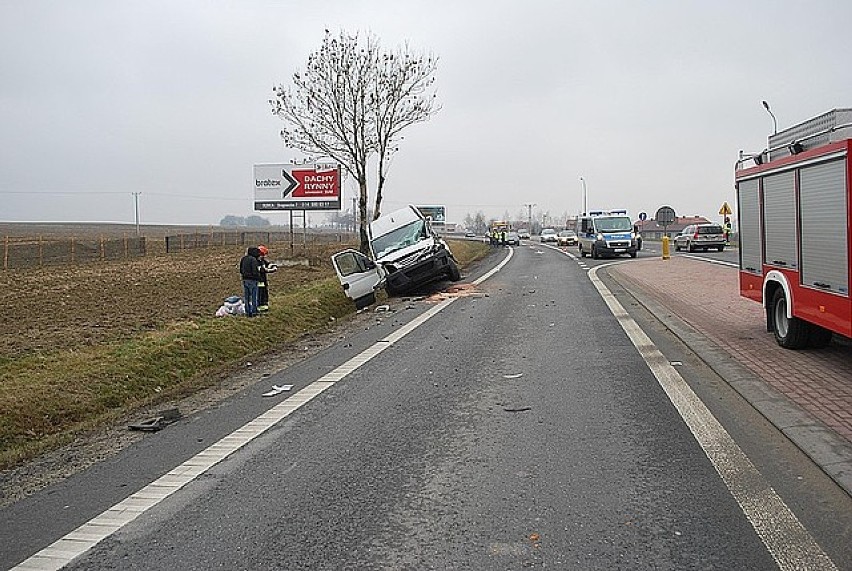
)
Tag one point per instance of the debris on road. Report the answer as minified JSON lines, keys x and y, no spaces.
{"x":156,"y":423}
{"x":277,"y":390}
{"x":517,"y":409}
{"x":513,"y":376}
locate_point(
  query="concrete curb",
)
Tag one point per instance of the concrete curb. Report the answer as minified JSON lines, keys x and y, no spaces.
{"x":831,"y":452}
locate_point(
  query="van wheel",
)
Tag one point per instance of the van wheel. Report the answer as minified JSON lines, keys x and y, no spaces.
{"x":721,"y":248}
{"x":790,"y":332}
{"x":690,"y":248}
{"x":365,"y":301}
{"x":453,"y":272}
{"x":677,"y":248}
{"x":582,"y":251}
{"x":632,"y":254}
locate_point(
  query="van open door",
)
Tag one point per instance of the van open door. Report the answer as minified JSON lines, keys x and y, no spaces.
{"x":359,"y":276}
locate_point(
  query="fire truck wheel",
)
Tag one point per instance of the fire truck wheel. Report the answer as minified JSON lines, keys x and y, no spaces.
{"x":453,"y":272}
{"x":819,"y":337}
{"x":790,"y":332}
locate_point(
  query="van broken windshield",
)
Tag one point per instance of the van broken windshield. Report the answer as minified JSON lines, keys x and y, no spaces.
{"x":398,"y":239}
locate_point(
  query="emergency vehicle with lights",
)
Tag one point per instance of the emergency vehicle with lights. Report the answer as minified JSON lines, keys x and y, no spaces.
{"x":606,"y":233}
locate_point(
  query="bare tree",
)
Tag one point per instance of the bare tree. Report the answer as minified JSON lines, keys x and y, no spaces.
{"x":351,"y":102}
{"x":402,"y":97}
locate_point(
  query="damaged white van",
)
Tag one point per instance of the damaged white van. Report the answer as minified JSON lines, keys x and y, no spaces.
{"x":406,"y":254}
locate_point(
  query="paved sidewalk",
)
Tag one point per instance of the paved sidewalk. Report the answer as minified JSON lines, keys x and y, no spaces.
{"x":816,"y":384}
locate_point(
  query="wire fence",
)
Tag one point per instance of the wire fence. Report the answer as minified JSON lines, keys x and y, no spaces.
{"x":184,"y":242}
{"x":37,"y":252}
{"x":28,"y":252}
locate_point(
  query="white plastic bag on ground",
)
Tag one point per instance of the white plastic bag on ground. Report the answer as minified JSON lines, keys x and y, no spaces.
{"x":232,"y":306}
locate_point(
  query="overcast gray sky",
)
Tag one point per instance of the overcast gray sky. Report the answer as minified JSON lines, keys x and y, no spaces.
{"x":648,"y":101}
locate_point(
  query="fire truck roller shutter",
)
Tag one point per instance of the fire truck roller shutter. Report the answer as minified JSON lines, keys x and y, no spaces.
{"x":824,"y":232}
{"x":779,"y":220}
{"x":749,"y":226}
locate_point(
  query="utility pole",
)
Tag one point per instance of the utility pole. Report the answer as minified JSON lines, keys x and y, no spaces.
{"x":529,"y":216}
{"x":136,"y":208}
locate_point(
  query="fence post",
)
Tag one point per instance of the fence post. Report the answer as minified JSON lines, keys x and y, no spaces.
{"x":103,"y":249}
{"x":6,"y":253}
{"x":72,"y":249}
{"x":181,"y":242}
{"x":126,"y":253}
{"x":40,"y":252}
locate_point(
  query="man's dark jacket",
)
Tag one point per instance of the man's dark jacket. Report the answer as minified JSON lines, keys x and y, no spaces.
{"x":250,"y":265}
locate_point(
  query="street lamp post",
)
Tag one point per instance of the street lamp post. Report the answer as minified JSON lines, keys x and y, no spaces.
{"x":585,"y":195}
{"x":774,"y":127}
{"x":774,"y":121}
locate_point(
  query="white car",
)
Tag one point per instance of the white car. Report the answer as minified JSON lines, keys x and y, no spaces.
{"x":548,"y":235}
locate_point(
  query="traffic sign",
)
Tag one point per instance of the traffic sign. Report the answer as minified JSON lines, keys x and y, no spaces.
{"x":665,"y":215}
{"x":725,"y":210}
{"x":643,"y":216}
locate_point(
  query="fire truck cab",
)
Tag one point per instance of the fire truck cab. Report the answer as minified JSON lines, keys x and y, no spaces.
{"x":794,"y":230}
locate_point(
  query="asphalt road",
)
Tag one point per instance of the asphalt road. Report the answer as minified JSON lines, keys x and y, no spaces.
{"x":518,"y":426}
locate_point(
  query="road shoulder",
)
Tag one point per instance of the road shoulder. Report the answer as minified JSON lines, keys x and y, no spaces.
{"x":825,"y":447}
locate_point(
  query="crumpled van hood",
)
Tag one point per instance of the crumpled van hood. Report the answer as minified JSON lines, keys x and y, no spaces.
{"x":411,"y":252}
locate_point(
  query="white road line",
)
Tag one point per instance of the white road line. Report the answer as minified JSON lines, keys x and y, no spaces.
{"x":497,"y":268}
{"x":786,"y":539}
{"x":72,"y":545}
{"x":712,"y":260}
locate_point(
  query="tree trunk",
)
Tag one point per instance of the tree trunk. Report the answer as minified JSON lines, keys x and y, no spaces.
{"x":381,"y":184}
{"x":362,"y":217}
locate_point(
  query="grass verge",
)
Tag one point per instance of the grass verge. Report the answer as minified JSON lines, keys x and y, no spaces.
{"x":47,"y":398}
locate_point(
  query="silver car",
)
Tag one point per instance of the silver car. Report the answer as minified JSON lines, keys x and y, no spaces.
{"x":700,"y":237}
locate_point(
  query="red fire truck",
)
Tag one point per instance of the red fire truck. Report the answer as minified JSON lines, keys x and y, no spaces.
{"x":794,"y":228}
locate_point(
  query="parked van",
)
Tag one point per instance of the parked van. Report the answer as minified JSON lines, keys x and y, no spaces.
{"x":406,"y":254}
{"x":607,"y":233}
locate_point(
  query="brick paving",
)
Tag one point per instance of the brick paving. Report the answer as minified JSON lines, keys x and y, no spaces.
{"x":706,"y":296}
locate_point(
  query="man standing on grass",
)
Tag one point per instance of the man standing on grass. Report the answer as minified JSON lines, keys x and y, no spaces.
{"x":250,"y":273}
{"x":266,"y":268}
